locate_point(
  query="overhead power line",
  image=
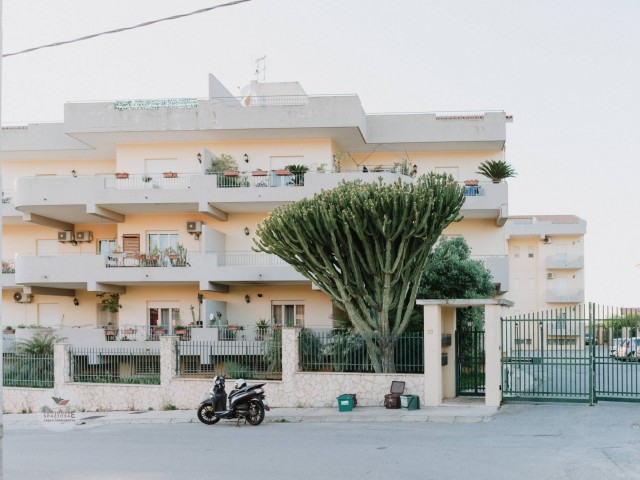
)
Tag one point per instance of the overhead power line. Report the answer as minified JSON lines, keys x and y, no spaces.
{"x":124,"y":29}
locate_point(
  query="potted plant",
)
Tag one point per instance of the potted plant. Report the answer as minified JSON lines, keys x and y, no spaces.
{"x":169,"y":174}
{"x":180,"y":330}
{"x":496,"y":170}
{"x":298,"y":172}
{"x":129,"y":331}
{"x":261,"y":329}
{"x":9,"y":330}
{"x":159,"y":330}
{"x":109,"y":302}
{"x":259,"y":173}
{"x":110,"y":330}
{"x":122,"y":175}
{"x":231,"y":173}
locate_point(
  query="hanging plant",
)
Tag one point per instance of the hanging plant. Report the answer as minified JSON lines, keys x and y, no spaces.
{"x":109,"y":302}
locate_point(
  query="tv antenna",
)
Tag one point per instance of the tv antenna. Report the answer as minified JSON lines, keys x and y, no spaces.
{"x":261,"y":68}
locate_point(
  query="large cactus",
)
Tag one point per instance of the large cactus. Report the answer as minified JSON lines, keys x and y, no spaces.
{"x":365,"y":245}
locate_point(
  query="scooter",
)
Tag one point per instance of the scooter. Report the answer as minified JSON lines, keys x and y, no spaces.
{"x":246,"y":402}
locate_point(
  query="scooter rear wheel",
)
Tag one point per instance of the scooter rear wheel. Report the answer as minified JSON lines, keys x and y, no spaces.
{"x":256,"y":412}
{"x":206,"y":415}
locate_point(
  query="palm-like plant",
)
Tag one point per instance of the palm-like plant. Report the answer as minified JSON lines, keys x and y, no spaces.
{"x":496,"y":170}
{"x":40,"y":344}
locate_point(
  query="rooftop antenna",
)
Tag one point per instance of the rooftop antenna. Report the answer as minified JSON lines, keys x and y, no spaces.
{"x":261,"y":68}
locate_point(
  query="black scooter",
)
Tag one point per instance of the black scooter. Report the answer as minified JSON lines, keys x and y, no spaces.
{"x":246,"y":402}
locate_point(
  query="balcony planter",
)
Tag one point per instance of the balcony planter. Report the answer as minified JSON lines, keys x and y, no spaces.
{"x":170,"y":175}
{"x":159,"y":331}
{"x":283,"y":172}
{"x":259,"y":173}
{"x":122,"y":175}
{"x":9,"y":331}
{"x":231,"y":173}
{"x":471,"y":183}
{"x":128,"y":331}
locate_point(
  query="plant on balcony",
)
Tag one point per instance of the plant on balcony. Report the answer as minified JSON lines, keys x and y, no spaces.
{"x":222,"y":163}
{"x":109,"y":302}
{"x":298,"y":172}
{"x":261,"y":329}
{"x":337,"y":161}
{"x":496,"y":170}
{"x":259,"y":173}
{"x":8,"y":330}
{"x":170,"y":175}
{"x":110,"y":330}
{"x":122,"y":175}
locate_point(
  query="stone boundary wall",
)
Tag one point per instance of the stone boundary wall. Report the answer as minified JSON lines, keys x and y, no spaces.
{"x":296,"y":389}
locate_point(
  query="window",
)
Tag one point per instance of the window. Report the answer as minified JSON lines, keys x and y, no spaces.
{"x":288,"y":314}
{"x":106,"y":246}
{"x":530,"y":249}
{"x":162,"y":241}
{"x":164,"y":315}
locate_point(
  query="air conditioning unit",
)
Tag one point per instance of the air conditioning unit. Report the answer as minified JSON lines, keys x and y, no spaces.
{"x":20,"y":297}
{"x":194,"y":226}
{"x":65,"y":236}
{"x":84,"y":236}
{"x":550,"y":276}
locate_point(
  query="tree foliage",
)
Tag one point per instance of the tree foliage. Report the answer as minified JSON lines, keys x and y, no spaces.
{"x":365,"y":244}
{"x":451,"y":273}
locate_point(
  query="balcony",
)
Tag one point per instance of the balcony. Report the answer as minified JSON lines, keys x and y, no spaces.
{"x":63,"y":201}
{"x":91,"y":271}
{"x":565,"y":296}
{"x":565,"y":262}
{"x":8,"y":279}
{"x":498,"y":265}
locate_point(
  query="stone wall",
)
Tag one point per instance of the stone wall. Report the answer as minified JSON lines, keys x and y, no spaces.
{"x":297,"y":389}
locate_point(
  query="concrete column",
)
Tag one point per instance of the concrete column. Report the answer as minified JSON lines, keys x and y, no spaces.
{"x":61,"y":365}
{"x":432,"y":355}
{"x":167,"y":359}
{"x":492,"y":366}
{"x":290,"y":355}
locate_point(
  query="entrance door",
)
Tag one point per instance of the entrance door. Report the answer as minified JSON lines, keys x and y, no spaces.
{"x":470,"y":357}
{"x":163,"y":316}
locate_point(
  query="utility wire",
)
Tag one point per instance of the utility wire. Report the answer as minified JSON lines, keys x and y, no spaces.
{"x":124,"y":29}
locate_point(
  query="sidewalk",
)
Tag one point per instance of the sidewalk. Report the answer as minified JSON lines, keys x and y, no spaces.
{"x":468,"y":412}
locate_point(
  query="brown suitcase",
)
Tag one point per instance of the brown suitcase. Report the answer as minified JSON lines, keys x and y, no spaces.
{"x":392,"y":400}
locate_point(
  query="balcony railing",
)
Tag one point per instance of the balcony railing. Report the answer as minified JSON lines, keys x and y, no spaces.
{"x":248,"y":259}
{"x":568,"y":262}
{"x":565,"y":296}
{"x":142,"y":259}
{"x":125,"y":181}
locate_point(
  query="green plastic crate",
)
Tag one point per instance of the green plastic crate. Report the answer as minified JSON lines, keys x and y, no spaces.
{"x":345,"y":403}
{"x":410,"y":402}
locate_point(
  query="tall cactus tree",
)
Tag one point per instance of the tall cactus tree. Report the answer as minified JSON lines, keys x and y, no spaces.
{"x":365,"y":245}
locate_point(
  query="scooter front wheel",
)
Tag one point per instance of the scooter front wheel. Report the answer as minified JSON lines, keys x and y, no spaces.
{"x":206,"y":414}
{"x":256,"y":412}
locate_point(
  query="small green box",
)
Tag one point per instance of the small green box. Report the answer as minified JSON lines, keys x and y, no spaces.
{"x":345,"y":403}
{"x":410,"y":402}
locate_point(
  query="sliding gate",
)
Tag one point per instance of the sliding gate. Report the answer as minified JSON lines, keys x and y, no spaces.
{"x":584,"y":353}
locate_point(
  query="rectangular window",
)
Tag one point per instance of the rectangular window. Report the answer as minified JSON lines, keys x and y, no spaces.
{"x":288,"y":314}
{"x":162,"y":241}
{"x":106,"y":246}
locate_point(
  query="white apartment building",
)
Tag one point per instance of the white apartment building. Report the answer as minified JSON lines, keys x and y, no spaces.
{"x":118,"y":198}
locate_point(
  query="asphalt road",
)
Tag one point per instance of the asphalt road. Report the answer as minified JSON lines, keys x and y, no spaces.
{"x":548,"y":441}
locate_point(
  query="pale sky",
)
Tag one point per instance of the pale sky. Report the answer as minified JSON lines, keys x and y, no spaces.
{"x":569,"y":73}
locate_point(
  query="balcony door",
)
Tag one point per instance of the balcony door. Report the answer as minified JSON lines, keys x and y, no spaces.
{"x":163,"y":314}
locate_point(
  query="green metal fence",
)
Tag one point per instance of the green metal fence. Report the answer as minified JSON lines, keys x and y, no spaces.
{"x":231,"y":359}
{"x":470,"y":362}
{"x":583,"y":353}
{"x":339,"y":351}
{"x":115,"y":365}
{"x":27,"y":371}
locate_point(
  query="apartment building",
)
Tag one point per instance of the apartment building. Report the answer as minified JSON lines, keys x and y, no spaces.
{"x":120,"y":198}
{"x":546,"y":261}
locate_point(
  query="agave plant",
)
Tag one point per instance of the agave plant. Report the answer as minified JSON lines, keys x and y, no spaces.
{"x":496,"y":170}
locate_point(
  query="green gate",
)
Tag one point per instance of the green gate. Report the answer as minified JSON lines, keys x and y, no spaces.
{"x":578,"y":354}
{"x":470,"y":356}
